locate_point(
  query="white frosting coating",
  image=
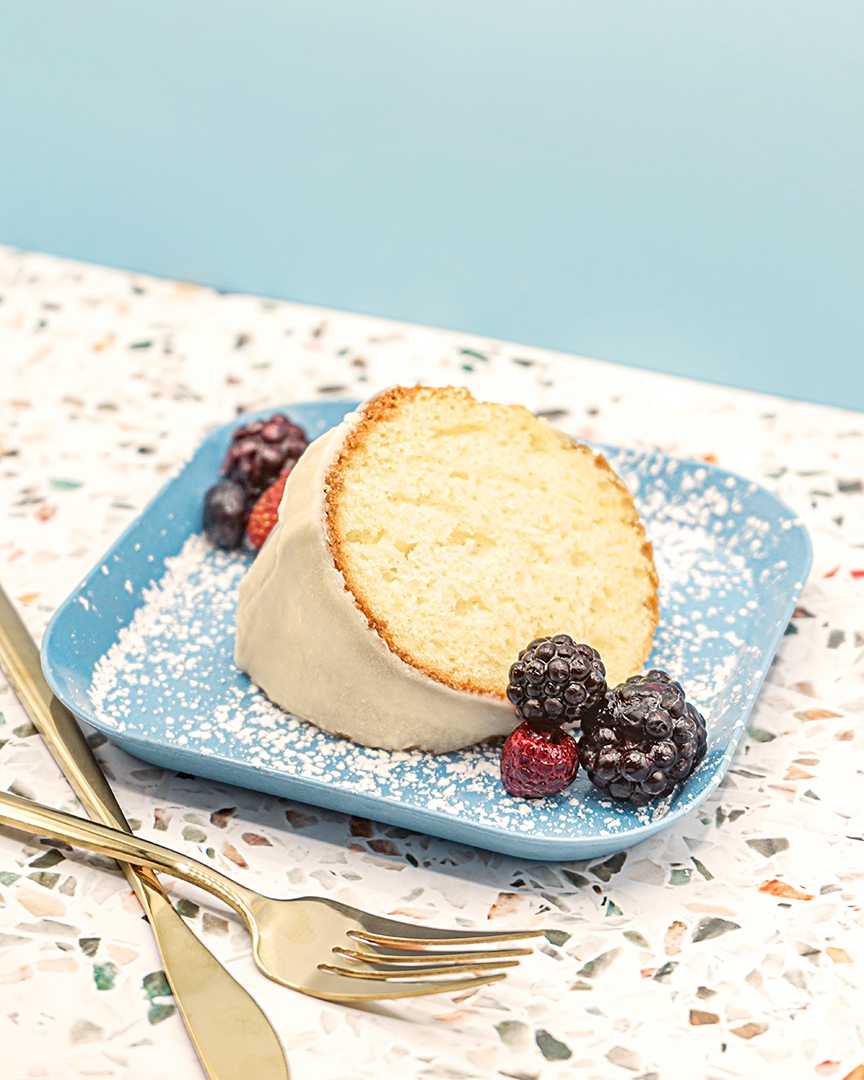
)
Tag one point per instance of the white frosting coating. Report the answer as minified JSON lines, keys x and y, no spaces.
{"x":304,"y":641}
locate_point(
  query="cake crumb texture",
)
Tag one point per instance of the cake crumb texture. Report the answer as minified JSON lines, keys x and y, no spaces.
{"x":465,"y":529}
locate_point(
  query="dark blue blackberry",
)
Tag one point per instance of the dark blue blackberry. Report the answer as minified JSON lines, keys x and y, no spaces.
{"x":226,"y":511}
{"x":260,"y":451}
{"x":555,"y":682}
{"x":645,"y":742}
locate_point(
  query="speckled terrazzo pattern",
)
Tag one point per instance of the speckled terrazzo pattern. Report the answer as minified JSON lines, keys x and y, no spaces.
{"x":729,"y":946}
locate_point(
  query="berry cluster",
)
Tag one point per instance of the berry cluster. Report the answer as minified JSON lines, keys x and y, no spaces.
{"x":260,"y":454}
{"x":638,"y":742}
{"x":554,"y":682}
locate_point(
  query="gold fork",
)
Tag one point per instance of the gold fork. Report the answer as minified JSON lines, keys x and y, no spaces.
{"x":316,"y":945}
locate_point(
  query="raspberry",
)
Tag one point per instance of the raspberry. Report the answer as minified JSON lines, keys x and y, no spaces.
{"x":225,"y":514}
{"x":265,"y":512}
{"x":260,"y":451}
{"x":537,"y":763}
{"x":645,"y":742}
{"x":555,"y":682}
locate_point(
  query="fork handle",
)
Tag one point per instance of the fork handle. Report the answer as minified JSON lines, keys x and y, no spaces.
{"x":58,"y":825}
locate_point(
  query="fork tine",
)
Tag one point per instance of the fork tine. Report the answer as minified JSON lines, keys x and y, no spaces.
{"x":399,"y":934}
{"x":356,"y":987}
{"x":425,"y":956}
{"x":396,"y":973}
{"x":402,"y":935}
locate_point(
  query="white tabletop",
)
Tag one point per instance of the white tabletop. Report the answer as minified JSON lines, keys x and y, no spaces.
{"x":730,"y":945}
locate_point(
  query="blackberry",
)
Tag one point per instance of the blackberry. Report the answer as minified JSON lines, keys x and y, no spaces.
{"x":645,"y":742}
{"x":260,"y":451}
{"x":226,"y":511}
{"x":555,"y":682}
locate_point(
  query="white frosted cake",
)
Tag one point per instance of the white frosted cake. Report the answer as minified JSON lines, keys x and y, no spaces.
{"x":421,"y":544}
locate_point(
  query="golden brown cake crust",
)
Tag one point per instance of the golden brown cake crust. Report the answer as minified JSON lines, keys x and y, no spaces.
{"x":381,"y":408}
{"x":653,"y":601}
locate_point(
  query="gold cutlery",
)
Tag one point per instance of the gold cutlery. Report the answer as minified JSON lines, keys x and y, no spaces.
{"x":231,"y":1035}
{"x":316,"y":945}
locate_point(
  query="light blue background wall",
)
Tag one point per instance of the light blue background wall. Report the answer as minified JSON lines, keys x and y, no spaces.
{"x":668,"y":183}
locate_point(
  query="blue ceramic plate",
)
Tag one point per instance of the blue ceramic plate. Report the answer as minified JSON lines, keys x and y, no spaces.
{"x":143,"y":650}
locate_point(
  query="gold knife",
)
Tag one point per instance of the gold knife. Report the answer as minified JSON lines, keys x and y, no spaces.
{"x":231,"y":1035}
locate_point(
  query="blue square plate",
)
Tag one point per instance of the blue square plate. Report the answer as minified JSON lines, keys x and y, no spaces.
{"x":143,"y":650}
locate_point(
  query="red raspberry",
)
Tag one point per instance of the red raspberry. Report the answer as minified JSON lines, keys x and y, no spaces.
{"x":265,"y":512}
{"x":538,"y":763}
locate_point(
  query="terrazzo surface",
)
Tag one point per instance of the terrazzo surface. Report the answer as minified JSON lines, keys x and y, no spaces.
{"x":730,"y":945}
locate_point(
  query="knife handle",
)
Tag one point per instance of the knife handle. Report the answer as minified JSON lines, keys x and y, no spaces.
{"x":19,"y":659}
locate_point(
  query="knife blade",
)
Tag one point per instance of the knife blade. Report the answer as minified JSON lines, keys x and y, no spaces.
{"x":231,"y":1034}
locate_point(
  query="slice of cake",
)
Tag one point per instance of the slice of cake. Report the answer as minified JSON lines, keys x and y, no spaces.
{"x":420,"y":545}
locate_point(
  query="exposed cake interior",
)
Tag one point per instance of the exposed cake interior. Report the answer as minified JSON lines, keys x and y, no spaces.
{"x":465,"y":529}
